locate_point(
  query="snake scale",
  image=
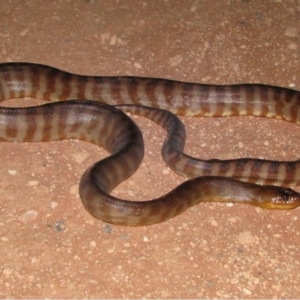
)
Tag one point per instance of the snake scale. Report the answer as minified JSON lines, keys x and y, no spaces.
{"x":78,"y":115}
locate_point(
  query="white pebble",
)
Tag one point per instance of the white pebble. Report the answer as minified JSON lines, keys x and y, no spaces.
{"x":246,"y":291}
{"x":12,"y":172}
{"x":53,"y":204}
{"x":93,"y":244}
{"x":166,"y":171}
{"x":33,"y":260}
{"x":33,"y":182}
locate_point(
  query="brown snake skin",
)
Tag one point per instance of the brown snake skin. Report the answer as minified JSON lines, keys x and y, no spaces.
{"x":108,"y":127}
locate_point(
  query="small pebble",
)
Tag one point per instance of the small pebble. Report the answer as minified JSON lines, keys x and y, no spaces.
{"x":93,"y":244}
{"x":107,"y":228}
{"x":53,"y":204}
{"x":29,"y":216}
{"x":7,"y":272}
{"x":59,"y":226}
{"x":137,"y":65}
{"x":246,"y":291}
{"x":166,"y":171}
{"x":175,"y":61}
{"x":33,"y":182}
{"x":12,"y":172}
{"x":33,"y":260}
{"x":74,"y":189}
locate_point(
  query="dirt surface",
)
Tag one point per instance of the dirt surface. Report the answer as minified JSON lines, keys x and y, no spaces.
{"x":50,"y":247}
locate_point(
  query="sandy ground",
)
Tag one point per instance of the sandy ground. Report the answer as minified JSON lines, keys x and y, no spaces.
{"x":50,"y":247}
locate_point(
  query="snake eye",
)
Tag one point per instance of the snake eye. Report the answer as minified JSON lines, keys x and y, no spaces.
{"x":285,"y":195}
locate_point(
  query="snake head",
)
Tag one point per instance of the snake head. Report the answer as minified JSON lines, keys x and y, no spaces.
{"x":279,"y":198}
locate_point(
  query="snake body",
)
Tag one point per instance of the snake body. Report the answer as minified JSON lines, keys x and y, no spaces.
{"x":108,"y":127}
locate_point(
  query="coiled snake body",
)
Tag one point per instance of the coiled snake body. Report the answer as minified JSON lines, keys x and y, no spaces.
{"x":225,"y":181}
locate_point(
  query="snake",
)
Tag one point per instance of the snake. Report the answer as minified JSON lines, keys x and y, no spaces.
{"x":93,"y":109}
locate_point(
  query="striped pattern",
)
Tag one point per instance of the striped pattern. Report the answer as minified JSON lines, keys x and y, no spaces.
{"x":246,"y":169}
{"x":110,"y":128}
{"x":43,"y":82}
